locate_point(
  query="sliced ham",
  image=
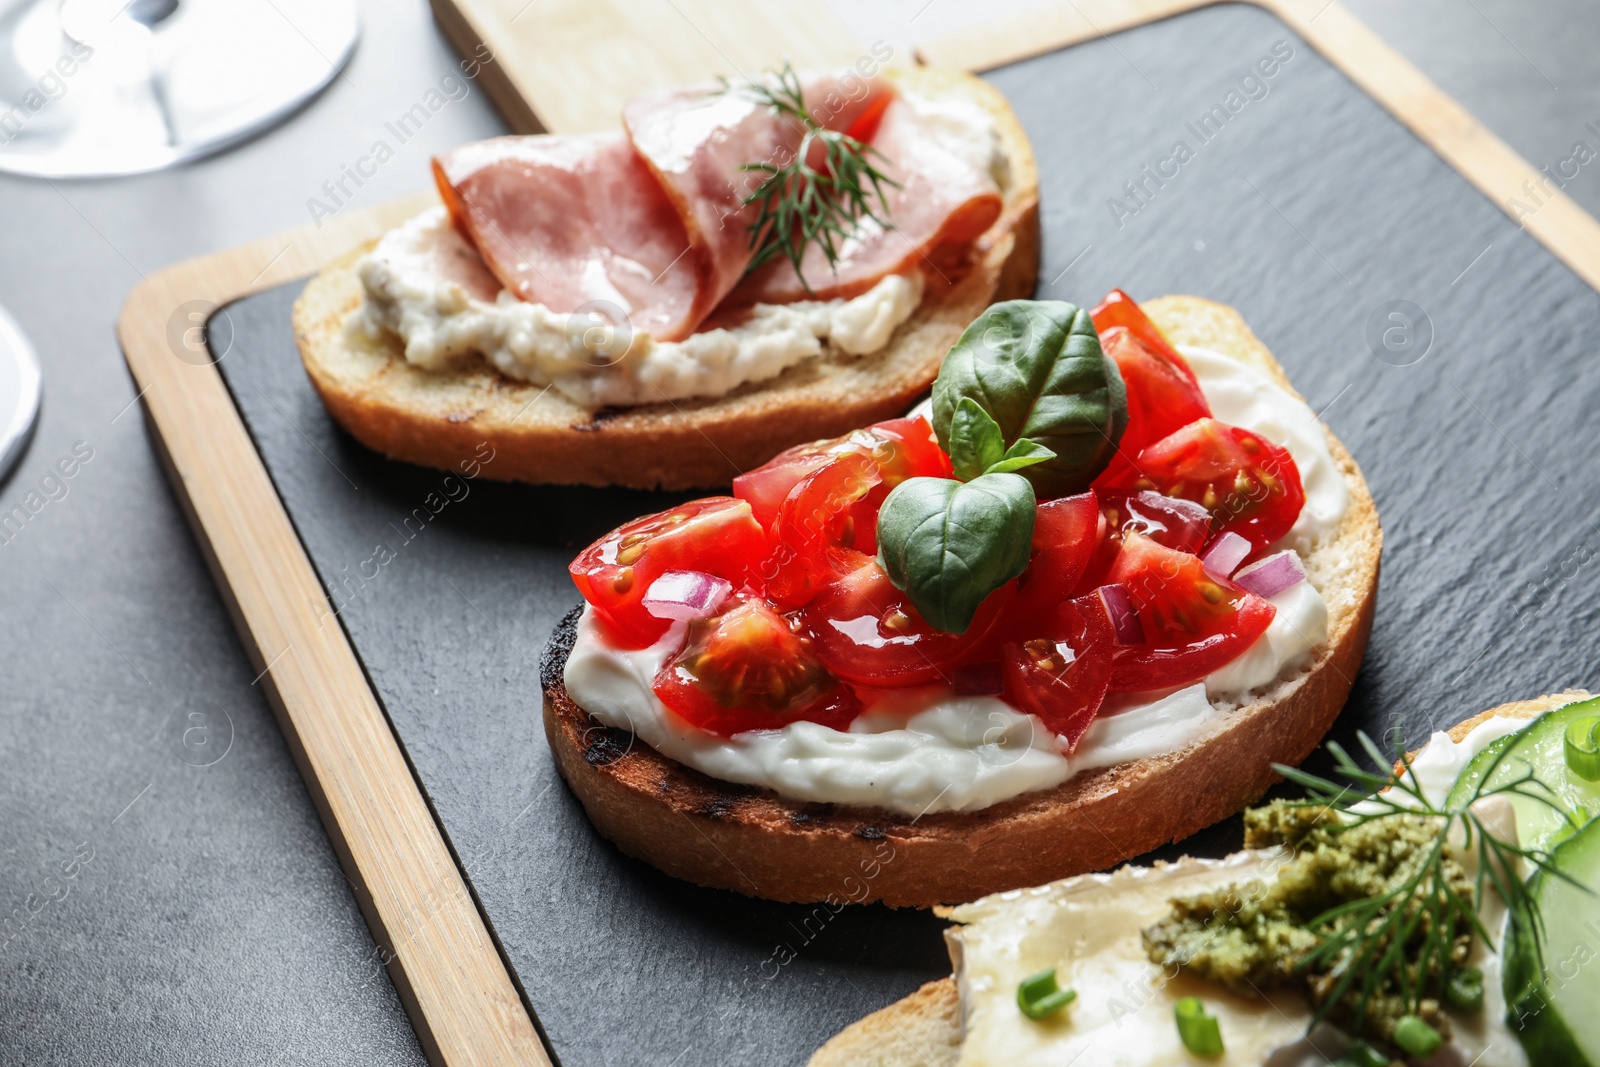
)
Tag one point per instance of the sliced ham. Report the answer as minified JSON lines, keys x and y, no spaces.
{"x":697,"y":142}
{"x":947,"y":195}
{"x":565,"y":221}
{"x":654,"y":221}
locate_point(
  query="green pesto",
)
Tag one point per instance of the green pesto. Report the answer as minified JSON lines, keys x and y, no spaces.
{"x":1253,"y":937}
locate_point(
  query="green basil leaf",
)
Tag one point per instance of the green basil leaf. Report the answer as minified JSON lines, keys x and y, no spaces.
{"x":1024,"y":453}
{"x":975,"y":440}
{"x":1036,"y":367}
{"x":947,"y":544}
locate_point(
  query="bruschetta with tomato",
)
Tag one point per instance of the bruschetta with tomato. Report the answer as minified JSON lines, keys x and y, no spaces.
{"x":1073,"y":608}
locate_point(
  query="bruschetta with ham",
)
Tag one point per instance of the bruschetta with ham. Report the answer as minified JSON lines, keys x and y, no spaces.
{"x":738,"y":268}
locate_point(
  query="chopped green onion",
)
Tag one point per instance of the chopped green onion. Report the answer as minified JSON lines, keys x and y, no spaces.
{"x":1583,"y":748}
{"x":1039,"y":996}
{"x":1415,"y":1037}
{"x":1465,"y":990}
{"x":1362,"y":1054}
{"x":1201,"y":1033}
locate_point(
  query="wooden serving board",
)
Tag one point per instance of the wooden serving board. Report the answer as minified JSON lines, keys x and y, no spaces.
{"x":568,"y":66}
{"x":409,"y":688}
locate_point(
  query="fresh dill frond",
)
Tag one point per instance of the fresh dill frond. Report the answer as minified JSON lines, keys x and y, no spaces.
{"x":1406,"y":941}
{"x":800,"y":204}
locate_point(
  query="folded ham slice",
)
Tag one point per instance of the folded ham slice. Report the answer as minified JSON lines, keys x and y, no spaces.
{"x":568,"y":221}
{"x":947,"y":194}
{"x":697,"y":142}
{"x":655,"y":221}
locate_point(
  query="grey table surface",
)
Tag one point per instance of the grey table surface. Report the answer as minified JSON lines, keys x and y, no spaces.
{"x":168,"y":895}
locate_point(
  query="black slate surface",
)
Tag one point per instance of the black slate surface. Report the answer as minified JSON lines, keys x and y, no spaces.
{"x":1308,"y":208}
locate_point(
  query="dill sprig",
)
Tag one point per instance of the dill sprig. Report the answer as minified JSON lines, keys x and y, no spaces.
{"x":801,"y":204}
{"x":1370,"y":941}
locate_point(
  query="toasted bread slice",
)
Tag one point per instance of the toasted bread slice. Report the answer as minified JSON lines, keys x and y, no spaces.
{"x":756,"y":842}
{"x":438,"y":419}
{"x":924,"y":1029}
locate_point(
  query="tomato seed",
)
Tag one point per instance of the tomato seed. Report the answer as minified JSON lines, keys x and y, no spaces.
{"x":623,"y":581}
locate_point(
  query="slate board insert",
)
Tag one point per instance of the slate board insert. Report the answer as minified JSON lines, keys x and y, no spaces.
{"x":1295,"y":198}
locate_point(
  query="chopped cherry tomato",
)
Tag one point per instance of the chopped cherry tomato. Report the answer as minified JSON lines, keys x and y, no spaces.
{"x":717,"y":535}
{"x":1062,"y":677}
{"x":828,"y":521}
{"x":1107,"y":543}
{"x":766,"y":487}
{"x":814,"y":539}
{"x":899,"y":448}
{"x":1193,"y":623}
{"x":1120,"y":309}
{"x":1180,"y":524}
{"x":1171,"y":521}
{"x":1250,"y":485}
{"x":1064,"y":538}
{"x":1163,"y":393}
{"x":906,"y":448}
{"x":748,"y":669}
{"x":868,"y":633}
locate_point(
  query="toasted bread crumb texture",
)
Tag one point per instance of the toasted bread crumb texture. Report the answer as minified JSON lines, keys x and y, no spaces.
{"x":439,"y":419}
{"x":755,"y":842}
{"x":924,"y":1029}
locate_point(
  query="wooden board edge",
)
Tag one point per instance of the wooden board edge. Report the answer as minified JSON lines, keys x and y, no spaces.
{"x":1551,"y":217}
{"x":445,"y":965}
{"x":466,"y":36}
{"x":1047,"y":28}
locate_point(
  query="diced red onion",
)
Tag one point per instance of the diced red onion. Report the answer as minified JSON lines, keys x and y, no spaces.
{"x":977,"y":680}
{"x":1124,"y":618}
{"x":685,"y":595}
{"x":1225,"y":554}
{"x":1271,"y":576}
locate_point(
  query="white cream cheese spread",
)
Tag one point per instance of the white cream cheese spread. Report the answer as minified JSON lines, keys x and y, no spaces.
{"x":927,"y":749}
{"x":1089,"y":929}
{"x":594,"y":361}
{"x":1442,"y":760}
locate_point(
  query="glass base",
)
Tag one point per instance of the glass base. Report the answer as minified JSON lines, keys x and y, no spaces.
{"x":19,"y":394}
{"x":94,"y":88}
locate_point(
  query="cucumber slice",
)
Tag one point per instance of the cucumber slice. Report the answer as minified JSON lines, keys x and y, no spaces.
{"x":1538,"y":747}
{"x":1554,"y":1013}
